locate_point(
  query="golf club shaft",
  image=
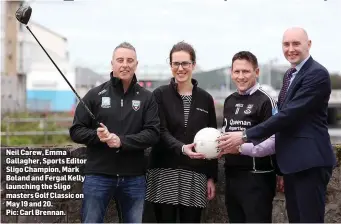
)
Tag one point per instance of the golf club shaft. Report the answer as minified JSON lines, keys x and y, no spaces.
{"x":86,"y":107}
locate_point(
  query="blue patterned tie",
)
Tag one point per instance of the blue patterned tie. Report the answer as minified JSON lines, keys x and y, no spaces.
{"x":286,"y":82}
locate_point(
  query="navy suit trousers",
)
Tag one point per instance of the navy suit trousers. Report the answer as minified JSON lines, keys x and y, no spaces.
{"x":305,"y":194}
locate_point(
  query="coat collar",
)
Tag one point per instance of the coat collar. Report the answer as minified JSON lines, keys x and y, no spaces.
{"x":298,"y":76}
{"x":174,"y":84}
{"x":117,"y":83}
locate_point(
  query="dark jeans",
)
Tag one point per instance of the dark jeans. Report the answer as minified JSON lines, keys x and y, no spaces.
{"x":249,"y":196}
{"x":305,"y":194}
{"x":166,"y":213}
{"x":129,"y":194}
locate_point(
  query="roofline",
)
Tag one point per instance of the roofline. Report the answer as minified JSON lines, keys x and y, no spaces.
{"x":49,"y":30}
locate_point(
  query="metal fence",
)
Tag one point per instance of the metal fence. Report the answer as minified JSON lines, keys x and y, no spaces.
{"x":42,"y":125}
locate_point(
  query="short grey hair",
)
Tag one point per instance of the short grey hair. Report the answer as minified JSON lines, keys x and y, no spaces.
{"x":125,"y":45}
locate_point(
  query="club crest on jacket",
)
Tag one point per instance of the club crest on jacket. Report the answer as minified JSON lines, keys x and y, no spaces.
{"x":136,"y":104}
{"x":105,"y":102}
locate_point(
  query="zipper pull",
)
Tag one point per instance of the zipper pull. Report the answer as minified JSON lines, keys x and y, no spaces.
{"x":121,"y":102}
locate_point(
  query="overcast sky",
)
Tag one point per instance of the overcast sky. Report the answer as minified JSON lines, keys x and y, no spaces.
{"x":216,"y":28}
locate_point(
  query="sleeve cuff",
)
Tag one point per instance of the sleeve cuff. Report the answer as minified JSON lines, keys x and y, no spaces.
{"x":182,"y":149}
{"x":179,"y":148}
{"x":122,"y":139}
{"x":244,"y":148}
{"x":95,"y":140}
{"x":215,"y":179}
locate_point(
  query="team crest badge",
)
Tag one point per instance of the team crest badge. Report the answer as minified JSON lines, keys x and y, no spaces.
{"x":136,"y":104}
{"x":105,"y":102}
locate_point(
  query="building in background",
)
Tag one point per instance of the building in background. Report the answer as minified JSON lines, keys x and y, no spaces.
{"x":150,"y":77}
{"x":46,"y":88}
{"x":87,"y":79}
{"x":220,"y":78}
{"x":29,"y":79}
{"x":13,"y":82}
{"x":219,"y":84}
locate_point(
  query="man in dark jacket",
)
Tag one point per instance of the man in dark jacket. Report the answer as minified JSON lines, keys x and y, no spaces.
{"x":115,"y":165}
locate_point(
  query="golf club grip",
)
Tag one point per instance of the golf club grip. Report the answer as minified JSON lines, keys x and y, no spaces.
{"x":74,"y":91}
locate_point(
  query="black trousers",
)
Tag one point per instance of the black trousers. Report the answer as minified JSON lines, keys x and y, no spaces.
{"x":249,"y":196}
{"x":166,"y":213}
{"x":305,"y":194}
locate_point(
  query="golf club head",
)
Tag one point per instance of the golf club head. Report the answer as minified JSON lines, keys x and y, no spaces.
{"x":23,"y":14}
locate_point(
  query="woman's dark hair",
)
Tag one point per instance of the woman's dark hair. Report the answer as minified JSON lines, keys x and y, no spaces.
{"x":183,"y":46}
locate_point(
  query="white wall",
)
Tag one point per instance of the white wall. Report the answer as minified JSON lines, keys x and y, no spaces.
{"x":31,"y":53}
{"x":41,"y":73}
{"x":2,"y":37}
{"x":44,"y":77}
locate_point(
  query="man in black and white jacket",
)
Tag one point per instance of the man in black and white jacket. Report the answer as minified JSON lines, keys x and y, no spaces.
{"x":115,"y":165}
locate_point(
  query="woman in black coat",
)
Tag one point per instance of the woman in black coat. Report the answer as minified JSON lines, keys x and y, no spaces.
{"x":179,"y":179}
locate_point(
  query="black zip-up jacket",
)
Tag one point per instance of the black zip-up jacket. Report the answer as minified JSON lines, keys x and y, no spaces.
{"x":167,"y":152}
{"x":133,"y":116}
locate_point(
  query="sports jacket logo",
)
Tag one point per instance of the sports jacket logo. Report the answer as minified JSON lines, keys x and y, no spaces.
{"x":136,"y":104}
{"x":105,"y":102}
{"x":205,"y":111}
{"x":103,"y":91}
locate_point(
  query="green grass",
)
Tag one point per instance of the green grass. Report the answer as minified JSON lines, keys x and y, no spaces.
{"x":35,"y":126}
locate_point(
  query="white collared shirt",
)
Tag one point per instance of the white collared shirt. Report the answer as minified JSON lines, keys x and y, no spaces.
{"x":298,"y":68}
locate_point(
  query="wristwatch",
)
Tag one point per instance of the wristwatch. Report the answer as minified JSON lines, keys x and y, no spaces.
{"x":244,"y":136}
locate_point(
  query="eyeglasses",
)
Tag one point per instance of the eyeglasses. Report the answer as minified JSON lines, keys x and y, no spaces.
{"x":184,"y":64}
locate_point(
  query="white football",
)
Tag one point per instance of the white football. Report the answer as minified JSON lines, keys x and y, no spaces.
{"x":206,"y":142}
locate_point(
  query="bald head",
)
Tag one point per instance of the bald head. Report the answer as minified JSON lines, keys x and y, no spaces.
{"x":296,"y":31}
{"x":296,"y":45}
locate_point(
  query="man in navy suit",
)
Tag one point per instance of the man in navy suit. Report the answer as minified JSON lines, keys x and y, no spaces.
{"x":303,"y":148}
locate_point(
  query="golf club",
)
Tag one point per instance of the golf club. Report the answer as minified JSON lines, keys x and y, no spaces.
{"x":23,"y":15}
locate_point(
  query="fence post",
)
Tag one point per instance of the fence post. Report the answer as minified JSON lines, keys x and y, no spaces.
{"x":45,"y":130}
{"x":7,"y":132}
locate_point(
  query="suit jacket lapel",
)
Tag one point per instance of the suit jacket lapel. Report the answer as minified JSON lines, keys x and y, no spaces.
{"x":298,"y":77}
